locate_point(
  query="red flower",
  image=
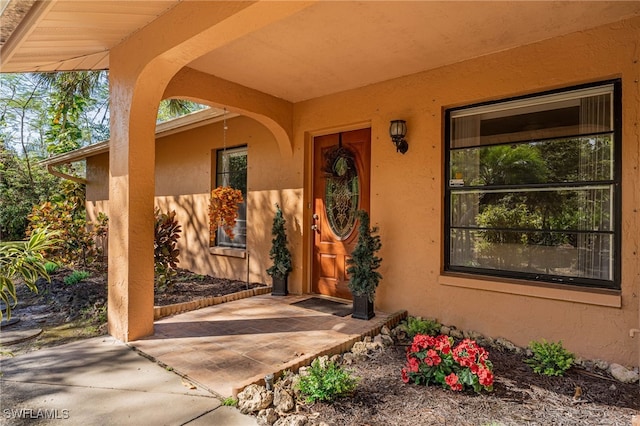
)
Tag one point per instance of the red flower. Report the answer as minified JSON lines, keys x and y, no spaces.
{"x":452,"y":381}
{"x":405,"y":377}
{"x":485,"y":376}
{"x":433,"y":357}
{"x":422,"y":341}
{"x":413,"y":364}
{"x":443,"y":344}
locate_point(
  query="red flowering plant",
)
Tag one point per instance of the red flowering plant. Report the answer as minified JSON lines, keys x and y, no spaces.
{"x":436,"y":360}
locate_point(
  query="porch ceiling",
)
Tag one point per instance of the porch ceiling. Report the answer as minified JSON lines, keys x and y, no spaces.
{"x":325,"y":48}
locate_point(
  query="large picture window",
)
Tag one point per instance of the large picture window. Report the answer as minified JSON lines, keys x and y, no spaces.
{"x":231,"y":170}
{"x":533,"y":187}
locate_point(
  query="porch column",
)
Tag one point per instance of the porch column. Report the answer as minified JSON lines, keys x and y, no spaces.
{"x":134,"y":103}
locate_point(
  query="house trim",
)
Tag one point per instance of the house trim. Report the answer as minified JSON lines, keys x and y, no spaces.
{"x":598,"y":297}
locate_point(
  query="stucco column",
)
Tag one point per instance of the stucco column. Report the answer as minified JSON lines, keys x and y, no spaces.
{"x":131,"y":194}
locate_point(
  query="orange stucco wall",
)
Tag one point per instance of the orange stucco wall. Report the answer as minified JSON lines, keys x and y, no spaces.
{"x":183,"y":184}
{"x":407,"y":192}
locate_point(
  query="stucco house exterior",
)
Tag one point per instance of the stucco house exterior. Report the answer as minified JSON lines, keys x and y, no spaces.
{"x":514,"y":211}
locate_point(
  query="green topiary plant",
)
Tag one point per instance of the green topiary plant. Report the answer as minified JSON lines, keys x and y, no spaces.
{"x":549,"y":358}
{"x":165,"y":250}
{"x":363,"y":264}
{"x":326,"y":382}
{"x":279,"y":253}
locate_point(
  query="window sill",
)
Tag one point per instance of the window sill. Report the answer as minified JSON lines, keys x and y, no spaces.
{"x":608,"y":298}
{"x":228,"y":252}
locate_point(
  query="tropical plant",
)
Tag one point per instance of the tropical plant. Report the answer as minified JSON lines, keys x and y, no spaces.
{"x":165,"y":247}
{"x":326,"y":381}
{"x":68,"y":217}
{"x":23,"y":259}
{"x":436,"y":360}
{"x":549,"y":358}
{"x":223,"y":208}
{"x":279,"y":253}
{"x":363,"y":264}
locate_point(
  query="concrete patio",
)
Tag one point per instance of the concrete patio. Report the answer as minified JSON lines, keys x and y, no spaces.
{"x":225,"y":347}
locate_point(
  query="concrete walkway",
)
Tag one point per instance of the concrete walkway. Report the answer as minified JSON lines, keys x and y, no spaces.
{"x":226,"y":347}
{"x":101,"y":381}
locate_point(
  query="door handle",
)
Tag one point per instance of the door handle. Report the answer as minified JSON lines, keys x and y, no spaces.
{"x":314,"y":227}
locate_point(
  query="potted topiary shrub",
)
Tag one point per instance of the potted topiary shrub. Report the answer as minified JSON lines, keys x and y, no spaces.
{"x":363,"y":264}
{"x":280,"y":255}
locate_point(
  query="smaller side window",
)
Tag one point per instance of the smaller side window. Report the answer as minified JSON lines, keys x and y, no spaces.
{"x":231,"y":170}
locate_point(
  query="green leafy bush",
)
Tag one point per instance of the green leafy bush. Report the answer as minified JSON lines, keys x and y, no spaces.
{"x":75,"y":277}
{"x":51,"y":267}
{"x":549,"y":358}
{"x":326,"y":382}
{"x":165,"y":247}
{"x":416,"y":325}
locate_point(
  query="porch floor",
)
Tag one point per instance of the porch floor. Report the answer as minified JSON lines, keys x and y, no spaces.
{"x":225,"y":347}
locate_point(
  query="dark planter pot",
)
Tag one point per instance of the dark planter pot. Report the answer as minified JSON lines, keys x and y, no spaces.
{"x":279,"y":286}
{"x":362,"y":308}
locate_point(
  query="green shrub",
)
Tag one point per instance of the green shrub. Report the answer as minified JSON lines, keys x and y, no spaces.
{"x":230,"y":402}
{"x":75,"y":277}
{"x":326,"y":382}
{"x":549,"y":358}
{"x":165,"y":247}
{"x":51,"y":267}
{"x":416,"y":325}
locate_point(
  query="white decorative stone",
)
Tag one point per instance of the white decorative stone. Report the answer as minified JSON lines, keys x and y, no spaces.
{"x":506,"y":344}
{"x":446,"y":330}
{"x":360,"y":350}
{"x":623,"y":374}
{"x":267,"y":417}
{"x":282,"y":400}
{"x":602,"y":365}
{"x":385,"y":331}
{"x":254,"y":398}
{"x":456,"y":334}
{"x":293,"y":420}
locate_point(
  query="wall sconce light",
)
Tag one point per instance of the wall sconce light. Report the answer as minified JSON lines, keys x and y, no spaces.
{"x":397,"y":131}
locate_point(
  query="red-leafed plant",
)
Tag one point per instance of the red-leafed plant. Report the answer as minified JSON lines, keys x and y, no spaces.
{"x":165,"y":247}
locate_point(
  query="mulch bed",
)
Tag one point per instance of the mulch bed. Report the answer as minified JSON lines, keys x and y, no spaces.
{"x":520,"y":397}
{"x":188,"y":286}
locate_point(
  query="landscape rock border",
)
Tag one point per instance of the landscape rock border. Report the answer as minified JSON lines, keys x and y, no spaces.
{"x":284,"y":406}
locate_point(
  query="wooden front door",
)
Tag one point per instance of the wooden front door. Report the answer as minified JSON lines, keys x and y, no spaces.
{"x":341,"y":171}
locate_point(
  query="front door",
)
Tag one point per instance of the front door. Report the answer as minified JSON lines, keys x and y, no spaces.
{"x":341,"y":170}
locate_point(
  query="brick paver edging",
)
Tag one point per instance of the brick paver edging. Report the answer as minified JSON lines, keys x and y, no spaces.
{"x":177,"y":308}
{"x":392,"y":321}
